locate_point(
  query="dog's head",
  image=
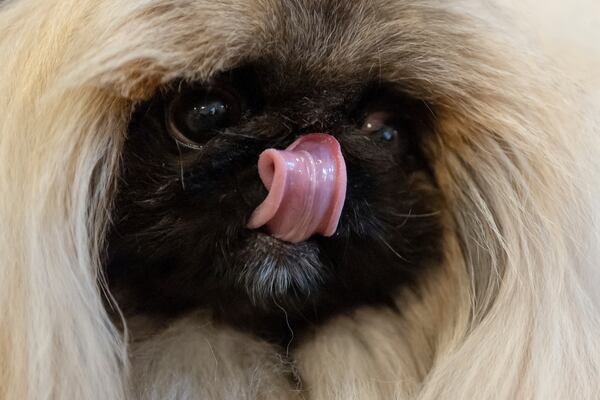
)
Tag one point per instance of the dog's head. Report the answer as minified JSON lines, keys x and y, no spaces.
{"x":190,"y":180}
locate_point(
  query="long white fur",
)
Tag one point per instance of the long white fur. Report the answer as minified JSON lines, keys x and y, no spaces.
{"x":512,"y":313}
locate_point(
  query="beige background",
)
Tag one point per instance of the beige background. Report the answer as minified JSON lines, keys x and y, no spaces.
{"x":568,"y":29}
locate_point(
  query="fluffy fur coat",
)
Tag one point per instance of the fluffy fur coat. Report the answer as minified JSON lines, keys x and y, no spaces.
{"x":512,"y":313}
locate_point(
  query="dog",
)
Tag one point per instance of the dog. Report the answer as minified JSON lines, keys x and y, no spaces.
{"x":304,"y":199}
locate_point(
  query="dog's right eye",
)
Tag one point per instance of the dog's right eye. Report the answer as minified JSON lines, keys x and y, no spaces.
{"x":195,"y":115}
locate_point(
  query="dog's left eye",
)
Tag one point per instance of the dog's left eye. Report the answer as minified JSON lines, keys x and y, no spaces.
{"x":380,"y":123}
{"x":196,"y":115}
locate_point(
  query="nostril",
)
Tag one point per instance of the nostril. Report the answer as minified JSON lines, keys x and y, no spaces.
{"x":249,"y":188}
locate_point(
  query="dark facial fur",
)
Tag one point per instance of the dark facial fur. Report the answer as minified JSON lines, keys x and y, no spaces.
{"x":179,"y":240}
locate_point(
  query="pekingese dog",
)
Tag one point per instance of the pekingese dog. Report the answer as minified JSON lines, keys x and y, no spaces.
{"x":295,"y":199}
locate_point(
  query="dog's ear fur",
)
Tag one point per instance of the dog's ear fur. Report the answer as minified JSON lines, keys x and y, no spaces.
{"x":515,"y":153}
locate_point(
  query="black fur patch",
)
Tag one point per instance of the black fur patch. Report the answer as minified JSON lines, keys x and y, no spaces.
{"x":179,"y":240}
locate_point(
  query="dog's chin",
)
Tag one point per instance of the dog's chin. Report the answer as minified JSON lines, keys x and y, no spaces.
{"x":272,"y":285}
{"x":277,"y":274}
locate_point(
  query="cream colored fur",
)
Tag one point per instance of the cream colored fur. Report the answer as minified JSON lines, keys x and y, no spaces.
{"x":513,"y":312}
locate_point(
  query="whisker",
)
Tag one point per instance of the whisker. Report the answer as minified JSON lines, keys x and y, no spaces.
{"x":289,"y":326}
{"x":180,"y":165}
{"x":236,"y":134}
{"x":426,"y":215}
{"x":389,"y":246}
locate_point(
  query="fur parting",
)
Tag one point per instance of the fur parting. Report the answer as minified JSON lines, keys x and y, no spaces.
{"x":511,"y":313}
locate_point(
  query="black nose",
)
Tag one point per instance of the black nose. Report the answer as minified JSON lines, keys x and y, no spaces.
{"x":249,"y":188}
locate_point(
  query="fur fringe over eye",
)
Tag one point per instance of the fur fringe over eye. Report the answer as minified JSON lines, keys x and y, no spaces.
{"x":511,"y":312}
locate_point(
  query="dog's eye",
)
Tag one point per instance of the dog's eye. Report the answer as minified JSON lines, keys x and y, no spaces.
{"x":380,"y":123}
{"x":196,"y":115}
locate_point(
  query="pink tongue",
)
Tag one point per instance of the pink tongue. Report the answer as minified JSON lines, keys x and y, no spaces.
{"x":307,"y":189}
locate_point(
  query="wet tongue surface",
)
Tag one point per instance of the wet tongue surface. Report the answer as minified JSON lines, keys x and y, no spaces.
{"x":307,"y":189}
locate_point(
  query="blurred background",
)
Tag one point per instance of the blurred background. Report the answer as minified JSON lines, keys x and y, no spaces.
{"x":569,"y":30}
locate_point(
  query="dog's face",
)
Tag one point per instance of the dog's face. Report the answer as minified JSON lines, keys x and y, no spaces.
{"x":190,"y":183}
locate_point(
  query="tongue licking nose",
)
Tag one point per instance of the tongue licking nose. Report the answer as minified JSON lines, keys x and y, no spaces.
{"x":307,"y":189}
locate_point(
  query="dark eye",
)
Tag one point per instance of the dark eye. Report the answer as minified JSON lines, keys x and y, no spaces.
{"x":196,"y":115}
{"x":380,"y":123}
